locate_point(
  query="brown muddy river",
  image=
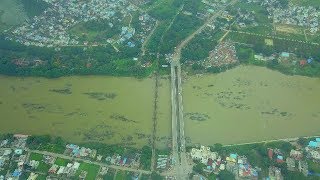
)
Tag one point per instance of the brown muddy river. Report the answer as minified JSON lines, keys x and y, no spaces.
{"x":248,"y":104}
{"x":245,"y":104}
{"x":87,"y":108}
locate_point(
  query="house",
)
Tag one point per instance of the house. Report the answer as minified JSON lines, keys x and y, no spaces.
{"x":33,"y":176}
{"x":17,"y":173}
{"x":285,"y":55}
{"x":291,"y":164}
{"x":232,"y":158}
{"x":203,"y":154}
{"x":303,"y":167}
{"x":313,"y":144}
{"x":303,"y":62}
{"x":275,"y":173}
{"x":18,"y":151}
{"x":270,"y":153}
{"x":280,"y":159}
{"x":297,"y":155}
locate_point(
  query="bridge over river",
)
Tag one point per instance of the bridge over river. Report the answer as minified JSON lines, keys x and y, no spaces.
{"x":182,"y":168}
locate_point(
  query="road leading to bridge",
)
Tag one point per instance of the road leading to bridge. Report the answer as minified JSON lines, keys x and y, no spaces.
{"x":182,"y":168}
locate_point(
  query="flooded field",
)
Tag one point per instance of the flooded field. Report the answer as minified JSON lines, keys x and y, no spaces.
{"x":89,"y":108}
{"x":248,"y":104}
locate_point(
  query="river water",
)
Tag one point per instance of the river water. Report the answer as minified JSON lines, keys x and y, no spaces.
{"x":245,"y":104}
{"x":86,"y":108}
{"x":249,"y":104}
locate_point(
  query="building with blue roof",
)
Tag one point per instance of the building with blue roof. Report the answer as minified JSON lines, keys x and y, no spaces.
{"x":318,"y":139}
{"x":285,"y":54}
{"x":16,"y":173}
{"x":313,"y":144}
{"x":233,"y":156}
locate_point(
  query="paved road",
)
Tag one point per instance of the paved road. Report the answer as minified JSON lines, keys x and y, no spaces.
{"x":91,"y":162}
{"x":182,"y":168}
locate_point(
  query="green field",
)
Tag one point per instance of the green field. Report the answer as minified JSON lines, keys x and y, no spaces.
{"x":43,"y":167}
{"x":11,"y":14}
{"x":61,"y":162}
{"x":91,"y":169}
{"x":315,"y":3}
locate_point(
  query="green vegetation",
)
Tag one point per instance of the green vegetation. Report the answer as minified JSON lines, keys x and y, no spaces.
{"x":36,"y":156}
{"x":145,"y":177}
{"x":46,"y":143}
{"x":121,"y":175}
{"x":110,"y":174}
{"x":199,"y":47}
{"x":43,"y":167}
{"x":61,"y":162}
{"x":41,"y":177}
{"x":166,"y":9}
{"x":98,"y":31}
{"x":145,"y":159}
{"x":156,"y":176}
{"x":226,"y":175}
{"x":69,"y":61}
{"x":184,"y":24}
{"x":34,"y":7}
{"x":314,"y":3}
{"x":91,"y":169}
{"x":257,"y":153}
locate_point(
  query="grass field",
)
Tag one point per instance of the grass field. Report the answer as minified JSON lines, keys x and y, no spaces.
{"x":43,"y":167}
{"x":123,"y":175}
{"x":61,"y":162}
{"x":315,"y":3}
{"x":91,"y":169}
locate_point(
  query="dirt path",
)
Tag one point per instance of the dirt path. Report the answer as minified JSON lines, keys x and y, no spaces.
{"x":272,"y":140}
{"x":90,"y":162}
{"x":143,"y":48}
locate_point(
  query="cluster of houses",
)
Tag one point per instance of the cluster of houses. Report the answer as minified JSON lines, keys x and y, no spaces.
{"x":15,"y":157}
{"x":313,"y":150}
{"x":12,"y":153}
{"x":223,"y":54}
{"x":295,"y":161}
{"x":238,"y":165}
{"x":212,"y":160}
{"x":307,"y":17}
{"x":76,"y":151}
{"x":285,"y":58}
{"x":127,"y":161}
{"x":80,"y":152}
{"x":164,"y":162}
{"x":51,"y":28}
{"x":245,"y":18}
{"x":69,"y":170}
